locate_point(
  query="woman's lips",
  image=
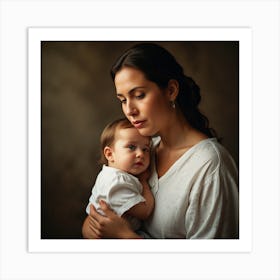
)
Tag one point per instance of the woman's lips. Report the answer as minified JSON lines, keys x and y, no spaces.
{"x":138,"y":124}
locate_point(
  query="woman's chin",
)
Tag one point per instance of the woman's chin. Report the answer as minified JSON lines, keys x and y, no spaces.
{"x":145,"y":132}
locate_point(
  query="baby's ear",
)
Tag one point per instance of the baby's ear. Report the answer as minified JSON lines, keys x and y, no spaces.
{"x":108,"y":153}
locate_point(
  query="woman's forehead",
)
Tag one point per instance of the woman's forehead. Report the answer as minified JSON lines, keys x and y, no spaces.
{"x":129,"y":77}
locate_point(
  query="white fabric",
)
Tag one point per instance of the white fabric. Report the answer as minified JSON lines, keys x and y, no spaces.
{"x":197,"y":197}
{"x":119,"y":189}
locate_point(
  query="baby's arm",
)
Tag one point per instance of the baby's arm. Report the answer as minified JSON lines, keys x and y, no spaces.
{"x":144,"y":209}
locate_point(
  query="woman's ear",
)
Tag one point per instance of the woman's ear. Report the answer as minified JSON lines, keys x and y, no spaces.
{"x":108,"y":153}
{"x":173,"y":89}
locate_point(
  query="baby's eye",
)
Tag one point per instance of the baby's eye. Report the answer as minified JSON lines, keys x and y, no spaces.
{"x":146,"y":150}
{"x":132,"y":147}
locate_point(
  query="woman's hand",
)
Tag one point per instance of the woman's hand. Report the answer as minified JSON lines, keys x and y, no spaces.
{"x":97,"y":226}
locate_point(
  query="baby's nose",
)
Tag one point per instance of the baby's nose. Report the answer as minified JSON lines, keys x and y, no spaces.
{"x":139,"y":153}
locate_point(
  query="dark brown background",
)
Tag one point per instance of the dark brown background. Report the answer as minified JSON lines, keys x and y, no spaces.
{"x":78,"y":101}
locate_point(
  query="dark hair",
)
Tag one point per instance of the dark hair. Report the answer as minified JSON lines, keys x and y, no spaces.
{"x":160,"y":66}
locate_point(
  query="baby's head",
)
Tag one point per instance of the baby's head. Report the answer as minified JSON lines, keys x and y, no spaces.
{"x":124,"y":148}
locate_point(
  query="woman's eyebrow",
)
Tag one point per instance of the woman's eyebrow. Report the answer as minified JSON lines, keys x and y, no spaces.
{"x":131,"y":91}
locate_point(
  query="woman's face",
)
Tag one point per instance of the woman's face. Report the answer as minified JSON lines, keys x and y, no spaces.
{"x":143,"y":102}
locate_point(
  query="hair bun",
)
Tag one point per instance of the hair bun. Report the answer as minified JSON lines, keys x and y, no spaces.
{"x":192,"y":91}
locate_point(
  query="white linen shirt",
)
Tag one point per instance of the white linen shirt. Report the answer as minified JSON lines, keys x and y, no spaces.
{"x":197,"y":197}
{"x":119,"y":189}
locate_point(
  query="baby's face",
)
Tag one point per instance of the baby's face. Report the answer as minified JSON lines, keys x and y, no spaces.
{"x":131,"y":151}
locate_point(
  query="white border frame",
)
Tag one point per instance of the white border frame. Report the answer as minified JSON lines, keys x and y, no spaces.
{"x":36,"y":35}
{"x":263,"y":17}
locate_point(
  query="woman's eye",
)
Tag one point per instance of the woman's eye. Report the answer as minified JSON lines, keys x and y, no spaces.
{"x":140,"y":96}
{"x":122,"y":101}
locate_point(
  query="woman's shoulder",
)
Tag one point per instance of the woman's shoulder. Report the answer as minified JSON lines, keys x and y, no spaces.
{"x":212,"y":152}
{"x":210,"y":147}
{"x":208,"y":150}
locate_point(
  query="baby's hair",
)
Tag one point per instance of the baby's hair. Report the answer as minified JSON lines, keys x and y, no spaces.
{"x":107,"y":137}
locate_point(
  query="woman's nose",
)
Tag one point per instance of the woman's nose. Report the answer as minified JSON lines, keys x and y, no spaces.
{"x":130,"y":109}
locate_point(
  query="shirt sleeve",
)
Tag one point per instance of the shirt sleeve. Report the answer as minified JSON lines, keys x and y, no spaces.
{"x":212,"y":211}
{"x":124,"y":193}
{"x":205,"y":211}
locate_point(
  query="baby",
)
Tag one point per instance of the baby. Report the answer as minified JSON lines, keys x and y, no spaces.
{"x":123,"y":180}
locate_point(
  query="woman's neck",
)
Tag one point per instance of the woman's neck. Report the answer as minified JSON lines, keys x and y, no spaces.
{"x":179,"y":134}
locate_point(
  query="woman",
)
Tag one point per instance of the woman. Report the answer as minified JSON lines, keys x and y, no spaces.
{"x":193,"y":178}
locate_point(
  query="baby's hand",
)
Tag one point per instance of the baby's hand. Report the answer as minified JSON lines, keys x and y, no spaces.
{"x":144,"y":176}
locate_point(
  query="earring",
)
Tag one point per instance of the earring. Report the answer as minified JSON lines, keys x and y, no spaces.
{"x":173,"y":104}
